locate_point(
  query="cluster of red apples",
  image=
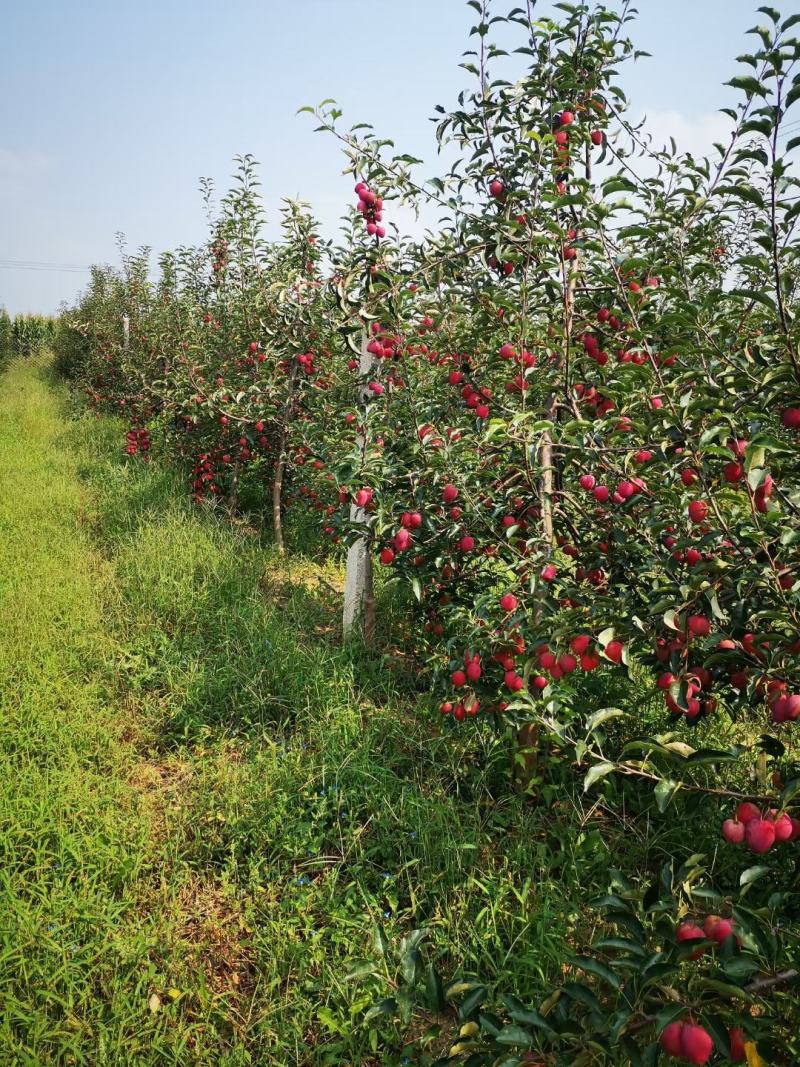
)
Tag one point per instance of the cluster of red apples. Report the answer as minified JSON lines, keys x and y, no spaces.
{"x":688,"y":1041}
{"x":692,"y":1043}
{"x":760,"y":830}
{"x":138,"y":441}
{"x":371,"y":207}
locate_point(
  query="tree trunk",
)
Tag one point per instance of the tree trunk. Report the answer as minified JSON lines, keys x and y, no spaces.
{"x":526,"y":756}
{"x":277,"y":491}
{"x":233,"y":496}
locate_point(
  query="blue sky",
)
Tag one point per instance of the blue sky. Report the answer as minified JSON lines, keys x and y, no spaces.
{"x":111,"y":112}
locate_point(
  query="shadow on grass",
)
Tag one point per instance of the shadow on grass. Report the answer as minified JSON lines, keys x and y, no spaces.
{"x":220,"y":630}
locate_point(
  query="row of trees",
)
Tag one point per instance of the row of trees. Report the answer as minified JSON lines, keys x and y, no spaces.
{"x":566,"y":421}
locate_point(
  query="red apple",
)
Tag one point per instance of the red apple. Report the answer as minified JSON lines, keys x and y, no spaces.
{"x":733,"y":831}
{"x":402,"y":540}
{"x":614,"y":651}
{"x":760,"y":835}
{"x":689,"y":931}
{"x":698,"y":510}
{"x":733,"y":472}
{"x":737,"y":1040}
{"x":670,"y":1039}
{"x":696,"y":1044}
{"x":698,"y":625}
{"x":783,"y":827}
{"x":747,"y":811}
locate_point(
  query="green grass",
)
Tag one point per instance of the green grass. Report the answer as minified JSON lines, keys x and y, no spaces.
{"x":205,"y":797}
{"x":207,"y":802}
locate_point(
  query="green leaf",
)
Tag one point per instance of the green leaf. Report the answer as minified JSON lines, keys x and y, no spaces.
{"x":434,"y":989}
{"x":611,"y":900}
{"x":771,"y":12}
{"x":750,"y":85}
{"x":621,"y":944}
{"x":380,"y":940}
{"x":657,"y":972}
{"x":752,"y":874}
{"x":789,"y":792}
{"x":602,"y":715}
{"x":458,"y":987}
{"x":405,"y":1005}
{"x":743,"y":192}
{"x":472,"y":1002}
{"x":531,"y":1017}
{"x":362,"y":970}
{"x":740,"y":968}
{"x":755,"y":456}
{"x":410,"y":959}
{"x":714,"y":755}
{"x":489,"y":1024}
{"x":582,"y":994}
{"x":385,"y":1007}
{"x":664,"y":792}
{"x":595,"y":967}
{"x":595,"y":773}
{"x":754,"y":295}
{"x":725,"y":989}
{"x":605,"y":636}
{"x":514,"y":1036}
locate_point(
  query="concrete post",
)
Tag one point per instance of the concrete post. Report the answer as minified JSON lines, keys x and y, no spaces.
{"x":358,"y":617}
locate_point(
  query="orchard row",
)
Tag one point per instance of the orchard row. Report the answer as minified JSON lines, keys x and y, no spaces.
{"x":565,"y":423}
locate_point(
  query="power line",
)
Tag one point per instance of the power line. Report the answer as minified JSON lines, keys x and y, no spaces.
{"x":65,"y":268}
{"x":40,"y":263}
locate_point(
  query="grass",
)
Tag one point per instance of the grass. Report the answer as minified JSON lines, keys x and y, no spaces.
{"x":207,"y":802}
